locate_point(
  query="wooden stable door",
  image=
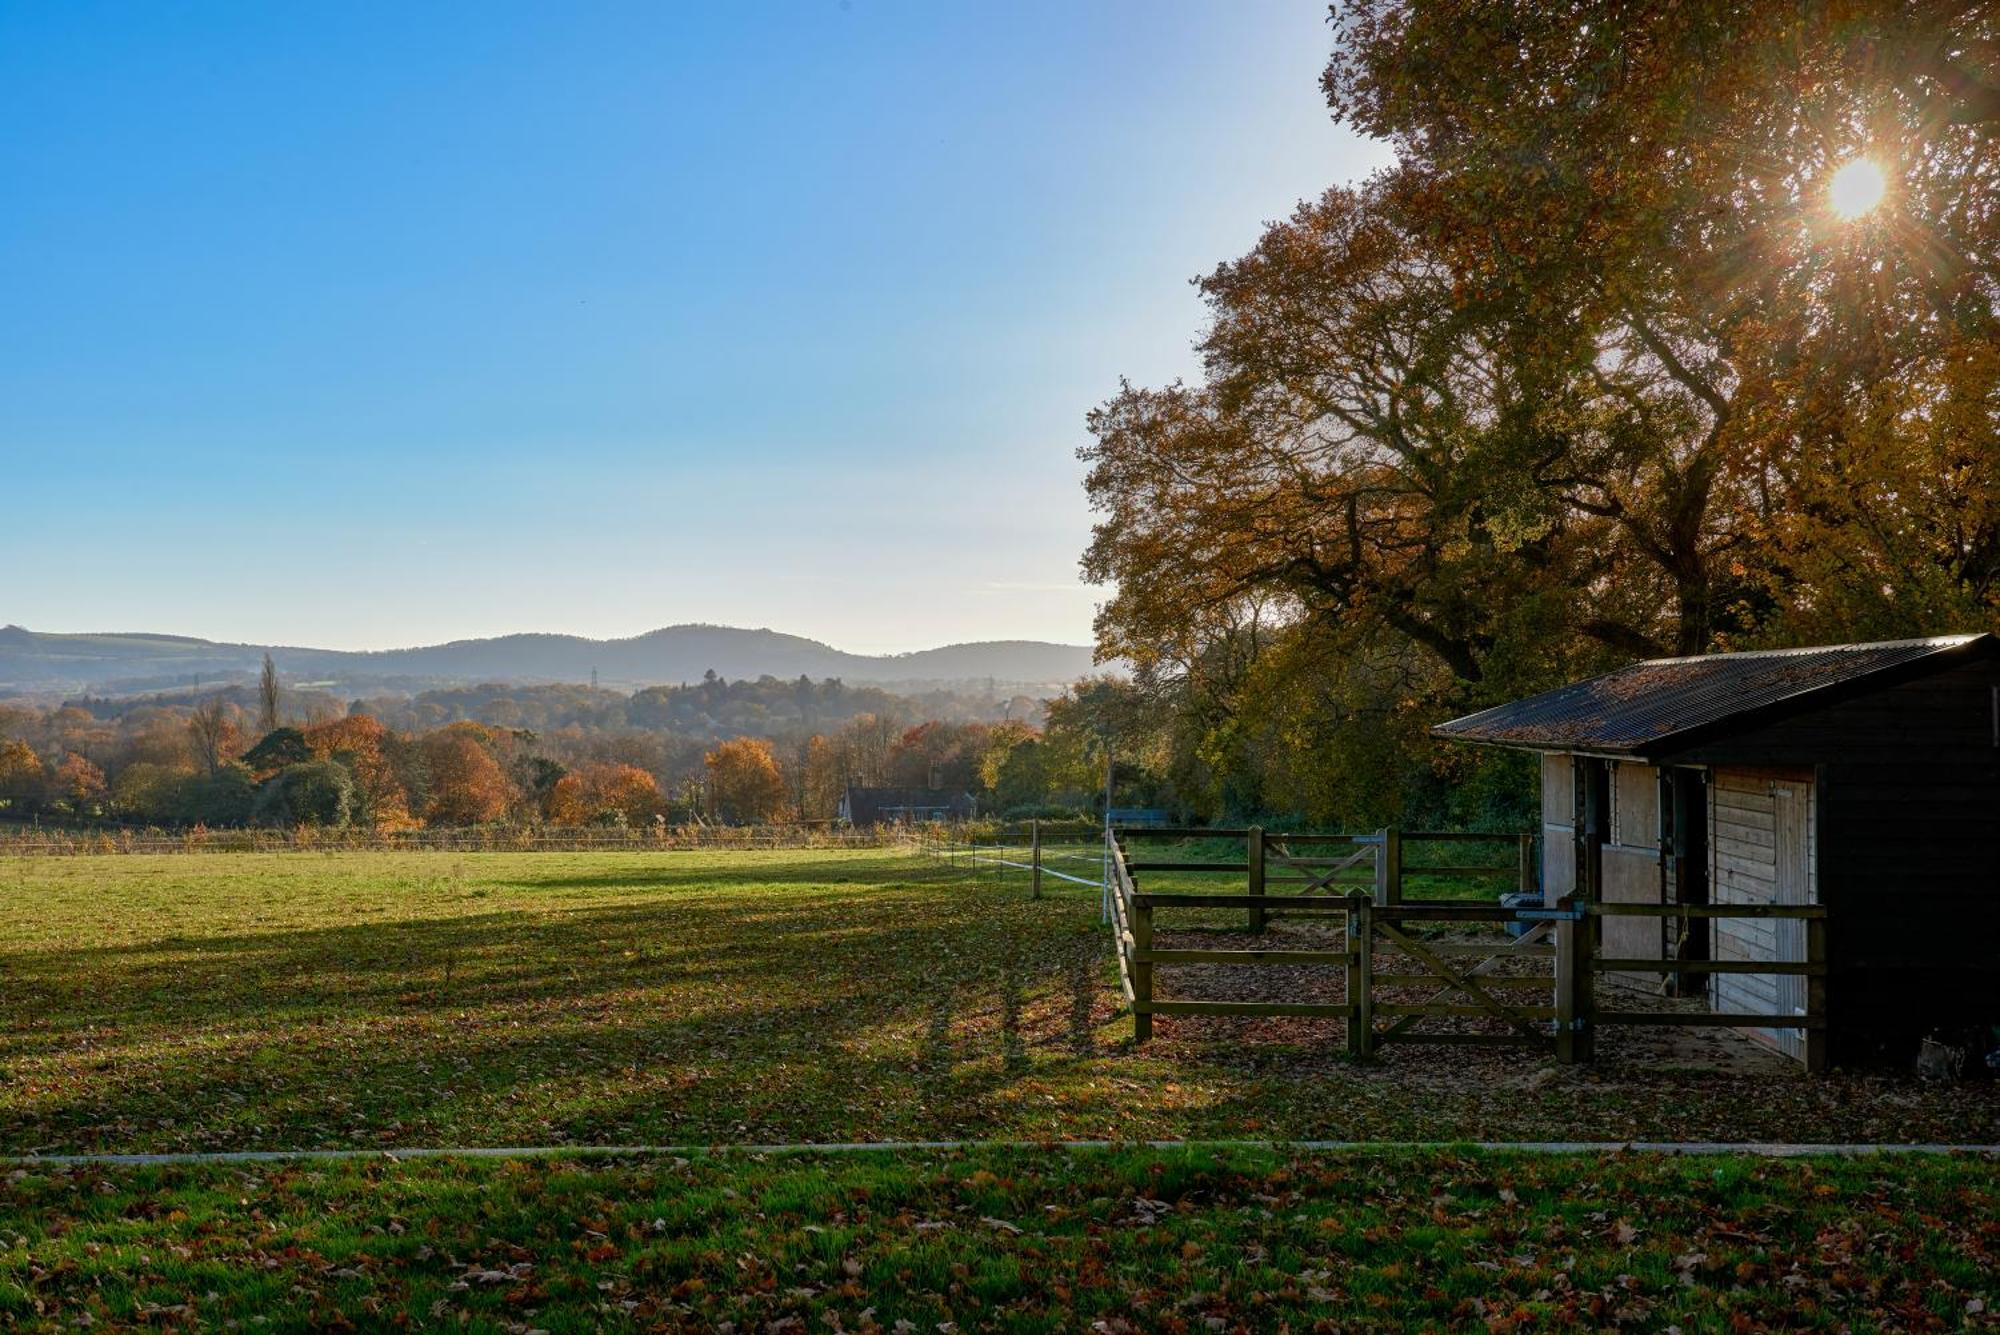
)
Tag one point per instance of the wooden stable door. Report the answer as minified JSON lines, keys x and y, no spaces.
{"x":1761,"y":839}
{"x":1792,"y":809}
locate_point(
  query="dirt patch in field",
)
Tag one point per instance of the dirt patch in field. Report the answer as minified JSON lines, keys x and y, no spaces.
{"x":1526,"y":980}
{"x":1646,"y":1082}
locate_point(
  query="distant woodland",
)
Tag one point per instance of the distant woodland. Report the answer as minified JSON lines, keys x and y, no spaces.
{"x":746,"y":752}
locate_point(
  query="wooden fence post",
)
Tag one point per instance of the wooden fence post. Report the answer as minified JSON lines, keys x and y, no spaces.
{"x":1816,"y":955}
{"x":1566,"y":989}
{"x":1035,"y":858}
{"x":1585,"y":1000}
{"x":1142,"y":971}
{"x":1256,"y":855}
{"x":1389,"y":867}
{"x":1360,"y":974}
{"x":1527,"y":876}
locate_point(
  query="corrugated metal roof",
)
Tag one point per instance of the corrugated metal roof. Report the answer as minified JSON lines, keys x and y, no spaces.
{"x":1642,"y":708}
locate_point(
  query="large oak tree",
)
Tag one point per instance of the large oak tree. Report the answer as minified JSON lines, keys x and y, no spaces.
{"x":1596,"y":370}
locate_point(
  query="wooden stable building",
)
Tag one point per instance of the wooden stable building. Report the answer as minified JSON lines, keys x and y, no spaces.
{"x":1863,"y":777}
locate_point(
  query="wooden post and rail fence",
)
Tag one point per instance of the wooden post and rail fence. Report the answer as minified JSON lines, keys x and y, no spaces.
{"x":1361,"y":880}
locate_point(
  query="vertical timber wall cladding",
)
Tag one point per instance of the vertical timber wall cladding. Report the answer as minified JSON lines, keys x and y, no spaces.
{"x":1558,"y":827}
{"x":1632,"y":869}
{"x":1761,"y":838}
{"x":1904,"y":834}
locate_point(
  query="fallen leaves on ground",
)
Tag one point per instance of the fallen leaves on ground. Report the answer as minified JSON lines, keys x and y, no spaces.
{"x":1123,"y":1240}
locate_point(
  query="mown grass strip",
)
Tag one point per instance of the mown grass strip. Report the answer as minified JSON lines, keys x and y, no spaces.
{"x":1185,"y":1238}
{"x":1750,"y":1149}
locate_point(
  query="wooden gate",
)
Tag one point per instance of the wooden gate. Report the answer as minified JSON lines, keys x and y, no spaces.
{"x":1462,"y":975}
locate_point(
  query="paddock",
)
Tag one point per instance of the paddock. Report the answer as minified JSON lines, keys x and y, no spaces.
{"x":1397,"y":969}
{"x":170,"y":1003}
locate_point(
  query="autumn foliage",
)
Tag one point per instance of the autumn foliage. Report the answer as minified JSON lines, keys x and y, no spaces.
{"x":605,"y":793}
{"x":745,"y":783}
{"x":366,"y":748}
{"x":183,"y":766}
{"x":77,"y":780}
{"x":20,"y":770}
{"x":1593,"y":371}
{"x":464,"y":783}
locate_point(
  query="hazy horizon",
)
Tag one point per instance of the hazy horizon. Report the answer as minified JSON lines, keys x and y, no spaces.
{"x":915,"y":647}
{"x":403,"y":326}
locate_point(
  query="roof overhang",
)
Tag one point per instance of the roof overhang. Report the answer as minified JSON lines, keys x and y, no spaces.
{"x":1521,"y":725}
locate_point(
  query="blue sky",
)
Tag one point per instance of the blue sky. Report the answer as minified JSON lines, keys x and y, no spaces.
{"x":368,"y":325}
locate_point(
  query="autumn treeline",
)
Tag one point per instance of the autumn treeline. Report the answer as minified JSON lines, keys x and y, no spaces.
{"x":204,"y":762}
{"x":1598,"y":369}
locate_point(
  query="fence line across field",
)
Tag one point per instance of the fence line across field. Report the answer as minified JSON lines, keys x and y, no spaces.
{"x":1030,"y":849}
{"x":1043,"y":868}
{"x":61,"y":843}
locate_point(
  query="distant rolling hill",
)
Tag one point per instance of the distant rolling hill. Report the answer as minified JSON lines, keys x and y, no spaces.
{"x":33,"y":661}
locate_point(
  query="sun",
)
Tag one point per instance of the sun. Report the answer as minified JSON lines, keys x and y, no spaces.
{"x":1856,"y":189}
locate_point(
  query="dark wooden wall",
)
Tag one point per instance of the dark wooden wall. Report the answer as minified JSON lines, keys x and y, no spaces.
{"x":1909,"y":853}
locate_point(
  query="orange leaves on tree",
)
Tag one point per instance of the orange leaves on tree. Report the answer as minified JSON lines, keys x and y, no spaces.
{"x":745,"y":783}
{"x":362,"y":744}
{"x":603,"y":793}
{"x":20,"y":771}
{"x":467,"y":785}
{"x":77,"y":780}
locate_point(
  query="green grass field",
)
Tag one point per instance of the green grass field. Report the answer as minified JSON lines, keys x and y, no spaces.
{"x":294,"y":1000}
{"x":376,"y":1001}
{"x":368,"y":1000}
{"x":1182,"y":1240}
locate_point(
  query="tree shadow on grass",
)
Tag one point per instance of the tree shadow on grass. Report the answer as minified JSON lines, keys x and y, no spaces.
{"x":608,"y":1023}
{"x":1085,"y":985}
{"x":1013,"y":1048}
{"x":447,"y":963}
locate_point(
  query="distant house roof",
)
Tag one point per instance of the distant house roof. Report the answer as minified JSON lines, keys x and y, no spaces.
{"x":1665,"y":703}
{"x":879,"y":806}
